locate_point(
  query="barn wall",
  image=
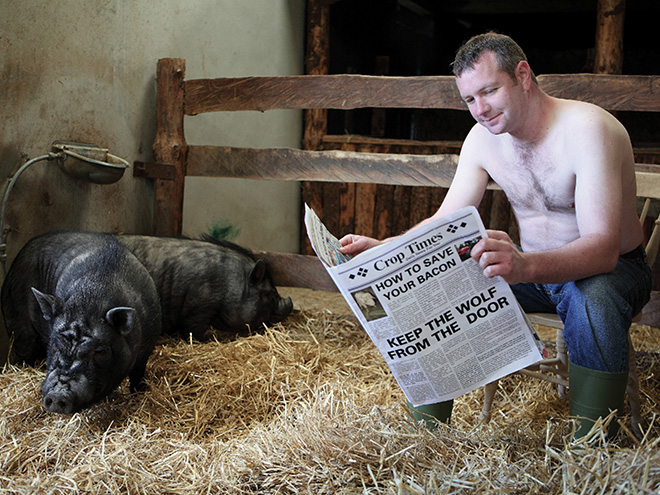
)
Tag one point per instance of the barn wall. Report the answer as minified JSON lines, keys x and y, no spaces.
{"x":85,"y":71}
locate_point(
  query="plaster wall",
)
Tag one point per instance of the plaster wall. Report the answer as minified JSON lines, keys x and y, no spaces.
{"x":85,"y":71}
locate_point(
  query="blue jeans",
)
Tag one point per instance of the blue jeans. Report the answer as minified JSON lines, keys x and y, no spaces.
{"x":597,"y":311}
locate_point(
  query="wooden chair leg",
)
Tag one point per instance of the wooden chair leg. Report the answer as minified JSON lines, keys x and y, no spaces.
{"x":489,"y":394}
{"x":562,"y":355}
{"x":633,"y":392}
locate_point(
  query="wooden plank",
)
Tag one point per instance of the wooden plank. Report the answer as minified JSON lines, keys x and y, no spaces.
{"x":389,"y":145}
{"x":485,"y":207}
{"x":343,"y":91}
{"x":317,"y":54}
{"x":648,"y":183}
{"x":329,"y":166}
{"x":346,"y":209}
{"x":357,"y":142}
{"x":332,"y":204}
{"x":365,"y":203}
{"x":348,"y":91}
{"x":384,"y":203}
{"x":297,"y":270}
{"x":379,"y":115}
{"x":317,"y":63}
{"x":169,"y":146}
{"x":612,"y":92}
{"x":420,"y":203}
{"x":401,"y":209}
{"x":149,"y":170}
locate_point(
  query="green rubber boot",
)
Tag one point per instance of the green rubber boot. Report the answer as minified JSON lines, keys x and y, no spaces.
{"x":432,"y":413}
{"x":594,"y":394}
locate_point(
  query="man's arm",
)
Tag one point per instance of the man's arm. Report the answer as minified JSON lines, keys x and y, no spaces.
{"x":470,"y":181}
{"x":467,"y":188}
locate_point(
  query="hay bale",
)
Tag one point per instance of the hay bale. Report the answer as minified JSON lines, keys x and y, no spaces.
{"x":308,"y":406}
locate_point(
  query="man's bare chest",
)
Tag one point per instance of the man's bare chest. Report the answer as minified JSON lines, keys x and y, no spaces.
{"x":535,"y":183}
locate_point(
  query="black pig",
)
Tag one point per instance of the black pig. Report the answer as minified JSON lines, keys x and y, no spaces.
{"x":208,"y":282}
{"x":86,"y":304}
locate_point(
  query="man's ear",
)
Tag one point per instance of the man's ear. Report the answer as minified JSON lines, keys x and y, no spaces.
{"x":524,"y":74}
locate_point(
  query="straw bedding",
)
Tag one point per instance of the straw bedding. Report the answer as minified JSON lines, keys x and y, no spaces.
{"x":308,"y":406}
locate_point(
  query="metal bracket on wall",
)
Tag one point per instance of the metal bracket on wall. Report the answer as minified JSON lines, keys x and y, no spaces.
{"x":151,"y":170}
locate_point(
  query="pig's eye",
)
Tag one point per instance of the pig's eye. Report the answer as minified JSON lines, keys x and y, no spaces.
{"x":100,"y":355}
{"x":267,"y":296}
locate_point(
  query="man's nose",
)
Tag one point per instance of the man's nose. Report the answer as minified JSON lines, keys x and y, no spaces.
{"x":481,"y":107}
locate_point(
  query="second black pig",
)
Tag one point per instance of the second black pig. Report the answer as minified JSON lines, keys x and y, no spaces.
{"x":207,"y":282}
{"x":86,"y":304}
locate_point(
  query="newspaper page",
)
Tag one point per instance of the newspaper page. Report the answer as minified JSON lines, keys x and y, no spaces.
{"x":443,"y":328}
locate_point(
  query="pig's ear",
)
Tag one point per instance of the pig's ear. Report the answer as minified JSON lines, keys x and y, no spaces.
{"x":121,"y":319}
{"x":50,"y":305}
{"x":258,"y":271}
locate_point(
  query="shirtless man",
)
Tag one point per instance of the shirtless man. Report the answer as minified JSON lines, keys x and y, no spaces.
{"x":567,"y":168}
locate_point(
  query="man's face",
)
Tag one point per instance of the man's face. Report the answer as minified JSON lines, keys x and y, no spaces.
{"x":490,"y":94}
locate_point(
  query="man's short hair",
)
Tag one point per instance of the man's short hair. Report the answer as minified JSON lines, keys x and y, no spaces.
{"x":507,"y":52}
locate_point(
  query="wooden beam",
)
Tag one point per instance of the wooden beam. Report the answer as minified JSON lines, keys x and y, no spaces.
{"x":317,"y":57}
{"x":316,"y":63}
{"x":150,"y":170}
{"x":612,"y":92}
{"x":297,"y":270}
{"x":347,"y":166}
{"x":328,"y":166}
{"x":169,"y":146}
{"x":342,"y":91}
{"x":648,"y":183}
{"x":355,"y":142}
{"x":609,"y":36}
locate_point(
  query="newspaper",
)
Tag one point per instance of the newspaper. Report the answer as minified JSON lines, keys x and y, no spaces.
{"x":443,"y":328}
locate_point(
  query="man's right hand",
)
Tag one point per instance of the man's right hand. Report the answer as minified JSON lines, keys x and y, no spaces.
{"x":355,"y":244}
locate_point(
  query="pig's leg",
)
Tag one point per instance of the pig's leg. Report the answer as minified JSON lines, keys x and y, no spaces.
{"x":136,"y":376}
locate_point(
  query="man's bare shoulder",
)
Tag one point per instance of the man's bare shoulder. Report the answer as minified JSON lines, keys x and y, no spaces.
{"x":480,"y":141}
{"x":583,"y":116}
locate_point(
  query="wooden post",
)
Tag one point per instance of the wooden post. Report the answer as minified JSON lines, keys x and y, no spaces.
{"x":379,"y":115}
{"x":317,"y":54}
{"x":316,"y":63}
{"x":609,"y":37}
{"x":170,"y":146}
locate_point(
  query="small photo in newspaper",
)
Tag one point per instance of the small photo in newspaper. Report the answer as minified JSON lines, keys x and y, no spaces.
{"x":463,"y":249}
{"x":369,"y":304}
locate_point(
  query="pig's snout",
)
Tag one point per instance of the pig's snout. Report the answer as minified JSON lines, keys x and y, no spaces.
{"x":59,"y":401}
{"x":284,"y":308}
{"x":64,"y":394}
